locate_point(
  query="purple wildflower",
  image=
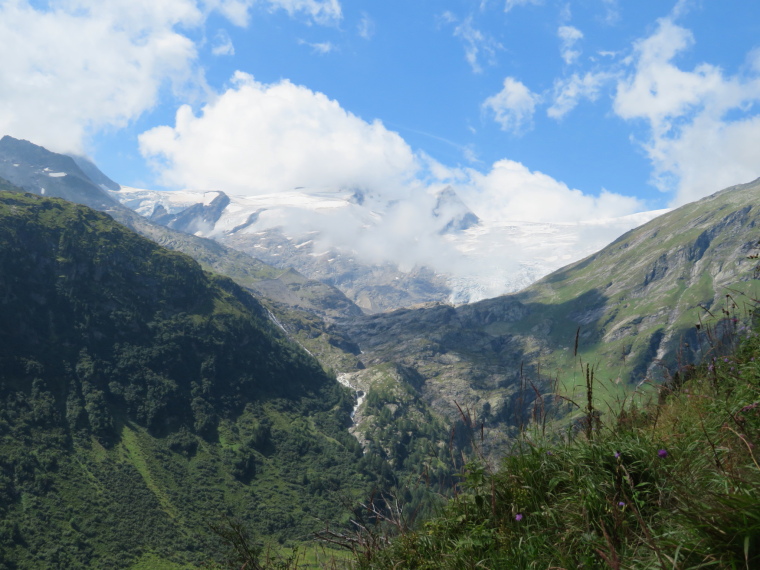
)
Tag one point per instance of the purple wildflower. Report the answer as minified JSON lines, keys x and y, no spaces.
{"x":621,"y":504}
{"x":617,"y":455}
{"x":663,"y":453}
{"x":518,"y":517}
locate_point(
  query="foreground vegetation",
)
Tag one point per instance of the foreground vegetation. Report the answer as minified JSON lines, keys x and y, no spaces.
{"x":672,"y":484}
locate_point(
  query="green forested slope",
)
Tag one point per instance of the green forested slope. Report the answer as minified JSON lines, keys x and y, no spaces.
{"x":141,"y":398}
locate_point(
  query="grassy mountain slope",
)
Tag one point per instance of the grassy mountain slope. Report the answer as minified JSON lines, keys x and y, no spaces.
{"x":632,"y":309}
{"x":141,"y":397}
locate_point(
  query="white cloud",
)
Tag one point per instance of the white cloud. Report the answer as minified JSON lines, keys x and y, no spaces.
{"x":223,"y":44}
{"x":707,"y":155}
{"x":612,"y":12}
{"x":513,"y":107}
{"x":694,"y":148}
{"x":476,"y":43}
{"x":514,"y":3}
{"x":72,"y":68}
{"x":271,"y":138}
{"x":321,"y":48}
{"x":236,"y":11}
{"x":510,"y":191}
{"x":658,"y":90}
{"x":569,"y":38}
{"x":569,"y":91}
{"x":257,"y":138}
{"x":81,"y":66}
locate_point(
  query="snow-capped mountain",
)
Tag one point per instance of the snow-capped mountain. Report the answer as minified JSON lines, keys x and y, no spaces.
{"x":383,"y":254}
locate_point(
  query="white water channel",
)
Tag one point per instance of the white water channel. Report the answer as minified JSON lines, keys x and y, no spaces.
{"x":360,"y":395}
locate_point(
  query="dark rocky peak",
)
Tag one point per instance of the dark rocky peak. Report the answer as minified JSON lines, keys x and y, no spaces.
{"x":200,"y":217}
{"x":40,"y":171}
{"x":27,"y":154}
{"x":451,"y":209}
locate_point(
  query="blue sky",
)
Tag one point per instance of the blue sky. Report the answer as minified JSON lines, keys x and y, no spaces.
{"x":538,"y":110}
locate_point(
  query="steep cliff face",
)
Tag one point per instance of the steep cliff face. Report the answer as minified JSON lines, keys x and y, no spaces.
{"x":646,"y":291}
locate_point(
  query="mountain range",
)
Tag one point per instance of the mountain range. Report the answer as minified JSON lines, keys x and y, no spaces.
{"x":377,"y":253}
{"x":637,"y":312}
{"x":685,"y":258}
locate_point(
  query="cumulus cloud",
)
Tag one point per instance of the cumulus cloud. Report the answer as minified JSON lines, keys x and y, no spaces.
{"x":511,"y":191}
{"x":79,"y":66}
{"x":703,"y":133}
{"x":513,"y":107}
{"x":257,"y":138}
{"x":569,"y":38}
{"x":71,"y":68}
{"x":658,"y":90}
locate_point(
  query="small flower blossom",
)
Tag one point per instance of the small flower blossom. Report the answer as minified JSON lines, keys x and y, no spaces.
{"x":617,"y":455}
{"x":663,"y":453}
{"x":518,"y":517}
{"x":621,"y":504}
